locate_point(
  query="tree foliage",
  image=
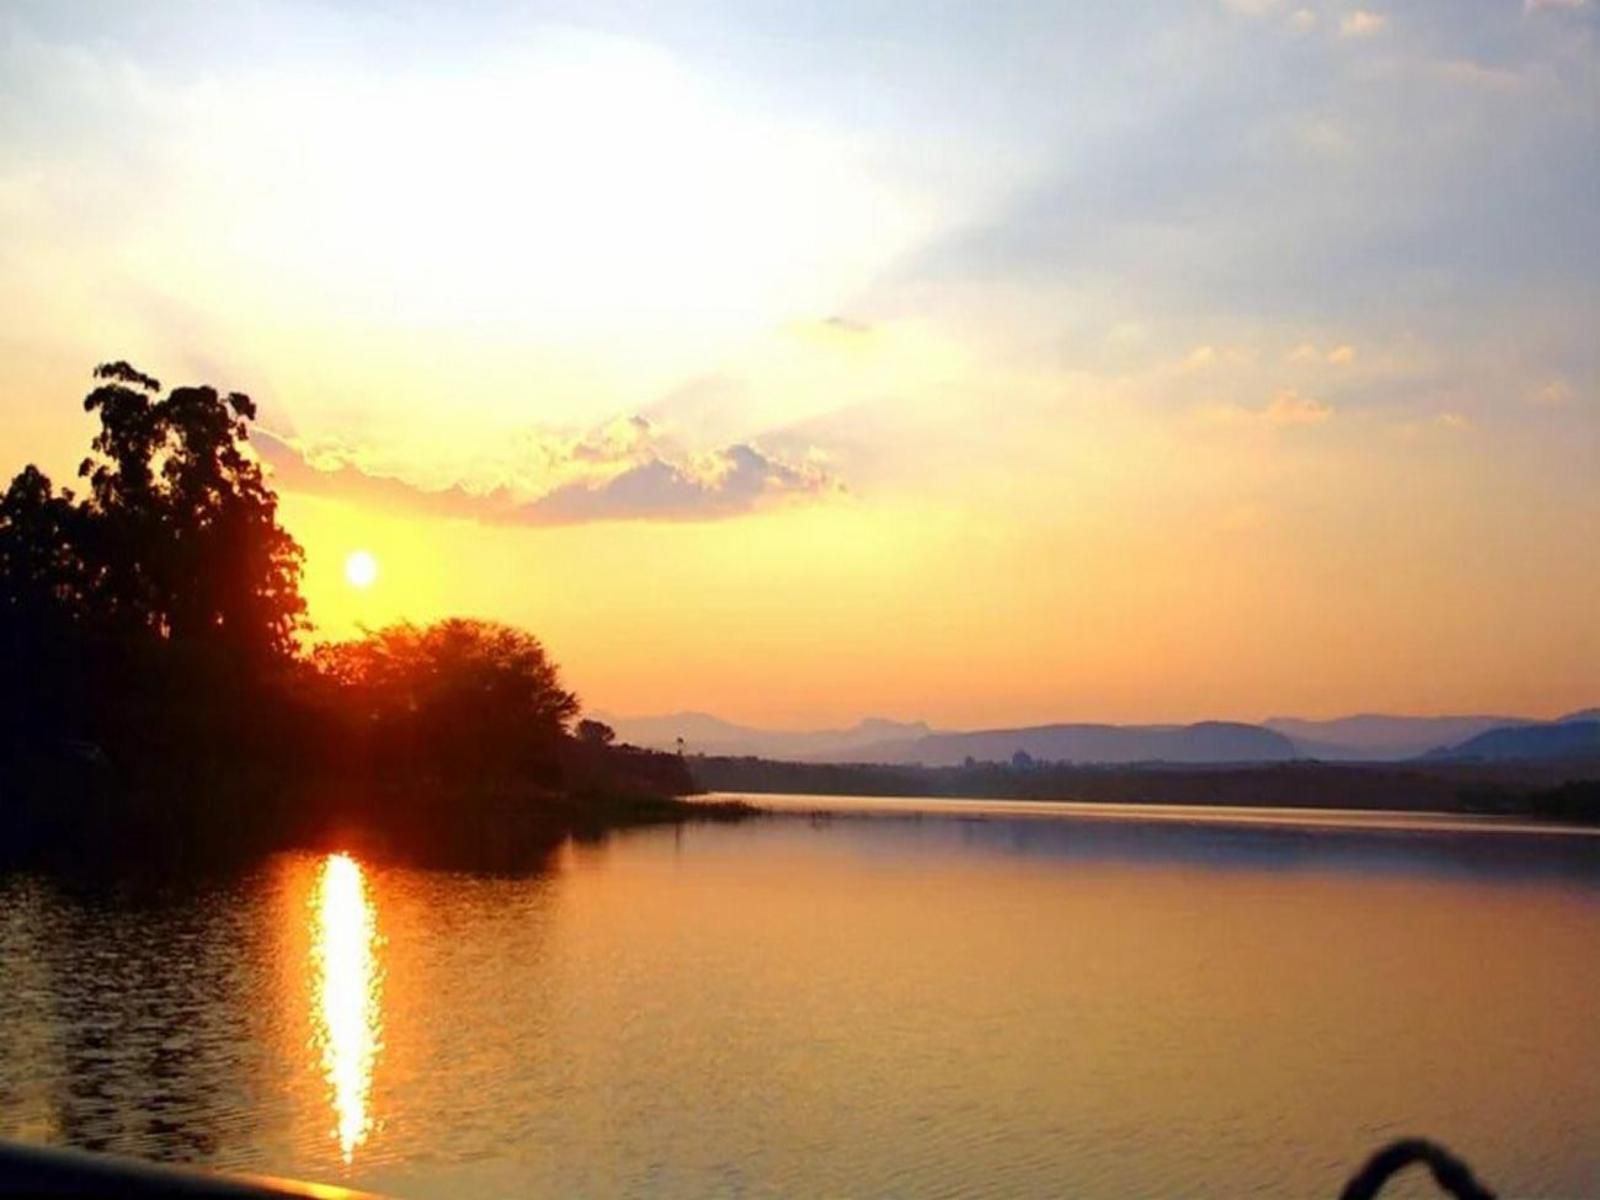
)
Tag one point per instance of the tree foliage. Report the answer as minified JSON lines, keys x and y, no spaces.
{"x":596,"y":733}
{"x":461,"y":694}
{"x":176,"y":541}
{"x":44,"y":577}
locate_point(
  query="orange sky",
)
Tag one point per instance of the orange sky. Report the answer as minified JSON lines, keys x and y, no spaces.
{"x":759,"y":372}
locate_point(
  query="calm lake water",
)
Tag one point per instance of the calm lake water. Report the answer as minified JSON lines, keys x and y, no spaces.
{"x":919,"y":999}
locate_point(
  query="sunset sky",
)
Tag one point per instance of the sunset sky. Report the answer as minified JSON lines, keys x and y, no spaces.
{"x":980,"y":363}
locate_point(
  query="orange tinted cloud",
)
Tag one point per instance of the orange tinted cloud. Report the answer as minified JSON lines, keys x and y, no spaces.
{"x":630,"y":479}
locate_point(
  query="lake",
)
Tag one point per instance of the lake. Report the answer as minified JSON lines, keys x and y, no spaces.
{"x":863,"y":998}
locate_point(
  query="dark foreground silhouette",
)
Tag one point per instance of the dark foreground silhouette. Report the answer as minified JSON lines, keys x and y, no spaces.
{"x":41,"y":1171}
{"x":1449,"y":1172}
{"x":158,"y":701}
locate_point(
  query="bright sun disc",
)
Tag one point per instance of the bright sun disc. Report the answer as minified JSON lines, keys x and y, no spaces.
{"x":361,"y":569}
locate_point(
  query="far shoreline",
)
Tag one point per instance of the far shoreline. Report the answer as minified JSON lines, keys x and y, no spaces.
{"x":1562,"y":791}
{"x":979,"y":808}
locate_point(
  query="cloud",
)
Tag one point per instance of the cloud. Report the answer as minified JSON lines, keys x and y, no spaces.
{"x":1339,"y":356}
{"x":1557,"y":393}
{"x":1289,"y":407}
{"x":733,"y":482}
{"x":623,"y":472}
{"x":332,"y":474}
{"x":1286,"y":410}
{"x":850,"y":325}
{"x":1206,"y":356}
{"x":1362,"y":23}
{"x":1552,"y":5}
{"x":1444,"y":424}
{"x":1287,"y":192}
{"x":1300,"y":19}
{"x":1469,"y":73}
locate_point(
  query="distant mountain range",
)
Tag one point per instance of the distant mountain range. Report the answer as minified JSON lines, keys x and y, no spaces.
{"x":1375,"y":737}
{"x":1367,"y":737}
{"x":1568,"y":738}
{"x":1205,"y":742}
{"x":703,"y":733}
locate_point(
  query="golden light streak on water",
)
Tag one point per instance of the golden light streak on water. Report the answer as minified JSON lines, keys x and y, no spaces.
{"x":347,"y":994}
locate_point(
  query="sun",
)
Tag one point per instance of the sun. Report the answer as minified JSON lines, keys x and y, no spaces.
{"x":361,"y":569}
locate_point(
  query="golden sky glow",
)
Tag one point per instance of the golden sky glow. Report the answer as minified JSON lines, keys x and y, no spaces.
{"x":1207,"y":361}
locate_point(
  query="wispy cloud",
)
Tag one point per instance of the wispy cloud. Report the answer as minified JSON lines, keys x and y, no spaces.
{"x":1252,"y":8}
{"x":735,"y":480}
{"x":619,"y":472}
{"x":1556,"y":393}
{"x":1362,"y":23}
{"x":1288,"y":409}
{"x":1338,"y":356}
{"x":1469,"y":73}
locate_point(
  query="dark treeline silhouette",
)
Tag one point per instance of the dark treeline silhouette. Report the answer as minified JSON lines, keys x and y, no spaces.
{"x":156,"y":695}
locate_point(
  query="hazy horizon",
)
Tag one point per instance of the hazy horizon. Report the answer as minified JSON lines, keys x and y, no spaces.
{"x":997,"y":365}
{"x":851,"y":722}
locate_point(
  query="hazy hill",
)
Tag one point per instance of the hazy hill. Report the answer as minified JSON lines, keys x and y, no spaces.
{"x":1205,"y":742}
{"x":881,"y":741}
{"x":703,"y":733}
{"x":1378,"y":737}
{"x":1365,"y":737}
{"x":1566,"y":738}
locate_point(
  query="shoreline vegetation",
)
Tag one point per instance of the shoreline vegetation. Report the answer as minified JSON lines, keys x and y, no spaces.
{"x":1567,"y":791}
{"x":165,"y":704}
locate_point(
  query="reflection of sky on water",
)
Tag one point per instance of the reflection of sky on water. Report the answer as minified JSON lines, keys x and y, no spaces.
{"x":1223,"y":840}
{"x":867,"y":1007}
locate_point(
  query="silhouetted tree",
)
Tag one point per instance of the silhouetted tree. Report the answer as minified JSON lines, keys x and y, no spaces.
{"x":188,"y":543}
{"x":152,"y":688}
{"x":148,"y":614}
{"x":177,"y":541}
{"x":596,"y":733}
{"x":44,"y":583}
{"x":460,"y":695}
{"x":44,"y":577}
{"x":145,"y":626}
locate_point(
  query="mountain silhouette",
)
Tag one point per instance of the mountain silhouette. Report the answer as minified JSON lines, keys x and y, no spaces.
{"x":1380,"y":737}
{"x":1204,"y":742}
{"x":703,"y":733}
{"x":883,"y":741}
{"x":1361,"y":737}
{"x":1565,"y":738}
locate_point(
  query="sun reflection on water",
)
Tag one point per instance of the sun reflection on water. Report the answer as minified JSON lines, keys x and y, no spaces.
{"x":347,"y":996}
